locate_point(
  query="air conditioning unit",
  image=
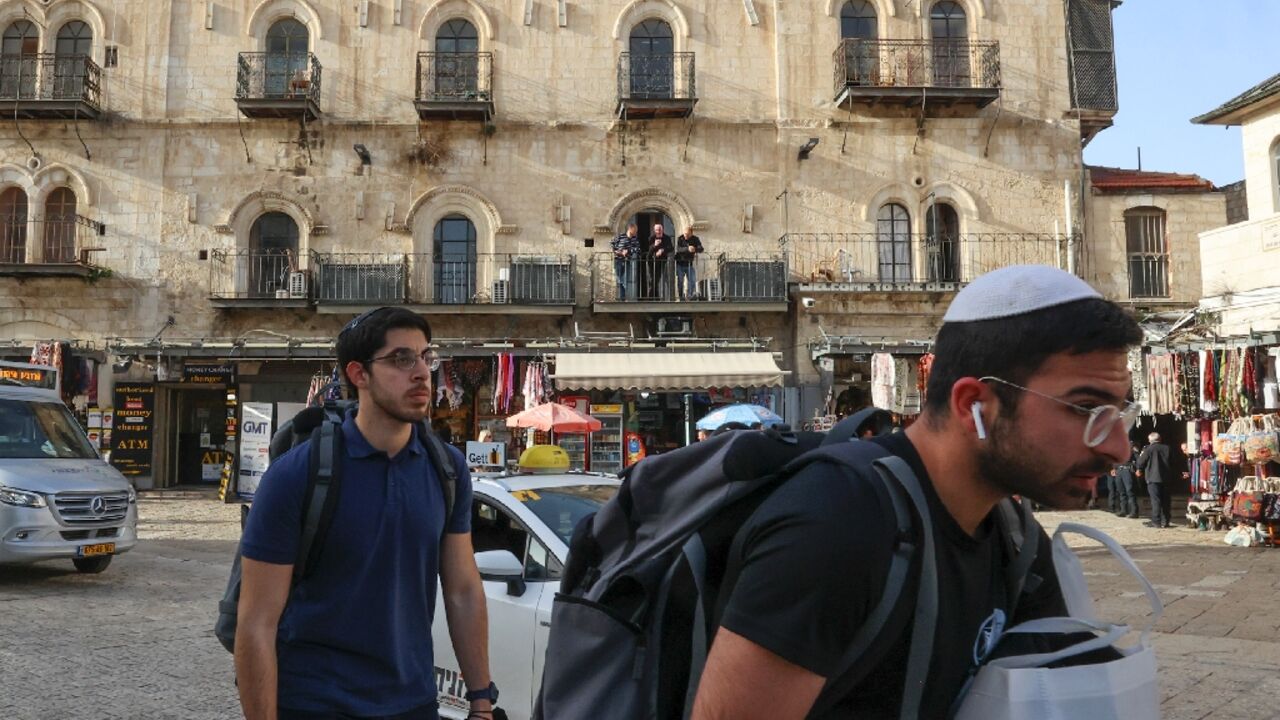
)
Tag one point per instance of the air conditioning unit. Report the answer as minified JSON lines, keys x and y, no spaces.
{"x":679,"y":326}
{"x":501,"y":292}
{"x":298,"y":285}
{"x":709,"y":290}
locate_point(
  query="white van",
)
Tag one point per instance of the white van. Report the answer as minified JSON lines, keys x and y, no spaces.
{"x":58,"y":498}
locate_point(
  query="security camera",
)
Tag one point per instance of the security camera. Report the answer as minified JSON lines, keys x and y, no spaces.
{"x":808,"y":302}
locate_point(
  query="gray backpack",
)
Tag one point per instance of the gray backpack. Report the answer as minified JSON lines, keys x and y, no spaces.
{"x":636,"y":612}
{"x":322,"y":426}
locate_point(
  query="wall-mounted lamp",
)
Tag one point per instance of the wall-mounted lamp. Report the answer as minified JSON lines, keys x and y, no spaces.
{"x":363,"y":152}
{"x":807,"y":148}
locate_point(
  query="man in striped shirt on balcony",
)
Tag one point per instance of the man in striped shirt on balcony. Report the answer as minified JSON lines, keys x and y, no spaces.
{"x":625,"y":249}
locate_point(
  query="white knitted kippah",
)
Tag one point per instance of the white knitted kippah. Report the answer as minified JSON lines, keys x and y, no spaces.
{"x":1016,"y":290}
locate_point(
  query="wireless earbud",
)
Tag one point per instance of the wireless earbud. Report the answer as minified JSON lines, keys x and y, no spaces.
{"x":976,"y":409}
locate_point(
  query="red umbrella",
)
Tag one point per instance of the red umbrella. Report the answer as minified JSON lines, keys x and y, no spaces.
{"x":554,"y":417}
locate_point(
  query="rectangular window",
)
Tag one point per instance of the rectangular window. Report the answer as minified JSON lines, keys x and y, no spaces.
{"x":1148,"y":250}
{"x":112,"y":56}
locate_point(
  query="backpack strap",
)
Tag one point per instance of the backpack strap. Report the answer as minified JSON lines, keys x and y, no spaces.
{"x":1021,"y":533}
{"x":445,"y":468}
{"x":324,"y":482}
{"x":847,"y":429}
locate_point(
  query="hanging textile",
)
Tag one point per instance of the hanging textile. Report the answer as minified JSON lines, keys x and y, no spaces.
{"x":534,"y":386}
{"x":882,"y":380}
{"x":317,"y":384}
{"x":1189,"y":385}
{"x":906,"y":393}
{"x":1137,"y":371}
{"x":1270,"y":382}
{"x":333,"y":388}
{"x":448,"y":388}
{"x":923,"y":367}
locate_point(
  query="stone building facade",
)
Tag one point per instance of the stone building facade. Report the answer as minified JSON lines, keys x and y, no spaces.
{"x":260,"y":171}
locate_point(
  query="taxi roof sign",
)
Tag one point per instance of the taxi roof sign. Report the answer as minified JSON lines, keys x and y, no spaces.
{"x":27,"y":375}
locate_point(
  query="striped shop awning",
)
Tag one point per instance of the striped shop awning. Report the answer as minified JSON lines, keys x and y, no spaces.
{"x":692,"y":371}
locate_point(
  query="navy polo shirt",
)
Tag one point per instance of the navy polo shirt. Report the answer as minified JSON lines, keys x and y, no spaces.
{"x":355,"y":636}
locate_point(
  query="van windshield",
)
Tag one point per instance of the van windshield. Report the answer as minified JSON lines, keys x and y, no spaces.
{"x":40,"y":430}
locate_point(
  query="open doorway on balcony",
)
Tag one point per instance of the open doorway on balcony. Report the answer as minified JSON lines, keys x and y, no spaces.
{"x":949,"y":28}
{"x":60,"y":226}
{"x":75,"y":42}
{"x":18,"y":60}
{"x":942,"y":243}
{"x":457,"y":61}
{"x":652,"y":60}
{"x":287,"y":68}
{"x":13,"y":226}
{"x":454,"y":257}
{"x":273,"y":247}
{"x":859,"y":29}
{"x":654,"y":277}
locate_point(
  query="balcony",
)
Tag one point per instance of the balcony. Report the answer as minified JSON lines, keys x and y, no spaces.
{"x":491,"y":283}
{"x":454,"y":86}
{"x":278,"y":85}
{"x":50,"y":248}
{"x":652,"y":86}
{"x":938,"y":73}
{"x":46,"y":86}
{"x":257,"y":279}
{"x":751,"y":283}
{"x":865,"y":262}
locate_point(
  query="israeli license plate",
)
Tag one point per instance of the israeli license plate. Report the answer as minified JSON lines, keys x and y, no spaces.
{"x":99,"y":549}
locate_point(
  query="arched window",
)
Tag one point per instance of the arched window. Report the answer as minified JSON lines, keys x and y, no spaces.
{"x":457,"y":60}
{"x":287,"y":63}
{"x":75,"y":43}
{"x":60,"y":226}
{"x":949,"y":29}
{"x":273,"y":252}
{"x":652,"y":60}
{"x":1148,"y":250}
{"x":858,"y":33}
{"x":18,"y":48}
{"x":893,"y":243}
{"x":942,"y":243}
{"x":1275,"y":167}
{"x":453,"y":248}
{"x":13,"y":226}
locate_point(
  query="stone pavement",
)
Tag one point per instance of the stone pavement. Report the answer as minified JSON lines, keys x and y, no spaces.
{"x":135,"y":641}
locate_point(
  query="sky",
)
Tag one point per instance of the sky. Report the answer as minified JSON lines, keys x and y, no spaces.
{"x":1177,"y":59}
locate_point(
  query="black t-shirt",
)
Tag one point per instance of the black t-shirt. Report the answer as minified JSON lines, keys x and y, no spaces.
{"x":811,"y":564}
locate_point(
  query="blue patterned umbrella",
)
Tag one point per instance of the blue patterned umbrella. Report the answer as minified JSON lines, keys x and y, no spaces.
{"x":742,"y":412}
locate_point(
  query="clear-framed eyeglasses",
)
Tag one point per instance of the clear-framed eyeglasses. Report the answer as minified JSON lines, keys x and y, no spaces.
{"x":406,"y":360}
{"x":1101,"y":418}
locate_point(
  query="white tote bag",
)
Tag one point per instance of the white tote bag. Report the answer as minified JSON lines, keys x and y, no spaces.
{"x":1022,"y":687}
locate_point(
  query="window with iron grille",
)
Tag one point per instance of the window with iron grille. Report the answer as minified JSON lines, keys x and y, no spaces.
{"x":1148,"y":250}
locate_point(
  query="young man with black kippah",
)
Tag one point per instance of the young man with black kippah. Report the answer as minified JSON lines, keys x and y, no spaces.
{"x":353,"y":638}
{"x":1027,"y":396}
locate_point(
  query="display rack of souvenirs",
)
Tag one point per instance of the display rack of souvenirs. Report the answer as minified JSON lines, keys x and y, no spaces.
{"x":1248,"y":448}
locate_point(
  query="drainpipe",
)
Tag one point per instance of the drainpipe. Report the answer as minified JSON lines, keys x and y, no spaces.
{"x":1071,"y":237}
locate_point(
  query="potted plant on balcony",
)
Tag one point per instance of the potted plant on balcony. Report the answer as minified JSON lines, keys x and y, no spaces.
{"x":300,"y":83}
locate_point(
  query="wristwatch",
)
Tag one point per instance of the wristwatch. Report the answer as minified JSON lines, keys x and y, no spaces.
{"x":490,"y":693}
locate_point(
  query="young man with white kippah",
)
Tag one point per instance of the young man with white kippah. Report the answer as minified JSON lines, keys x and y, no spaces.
{"x":1027,"y":396}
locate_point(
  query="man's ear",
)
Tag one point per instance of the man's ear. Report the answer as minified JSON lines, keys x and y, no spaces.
{"x":357,"y":374}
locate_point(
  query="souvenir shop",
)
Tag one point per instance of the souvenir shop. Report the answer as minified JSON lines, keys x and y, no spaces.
{"x":474,"y":396}
{"x":893,"y":381}
{"x":80,"y":377}
{"x":1228,"y":403}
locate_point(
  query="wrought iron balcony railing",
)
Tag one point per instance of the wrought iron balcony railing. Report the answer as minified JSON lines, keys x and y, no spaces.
{"x":68,"y":242}
{"x":290,"y":78}
{"x":720,"y":278}
{"x":664,"y":76}
{"x":493,"y":278}
{"x":455,"y":77}
{"x":258,"y":275}
{"x":51,"y":78}
{"x":914,"y":260}
{"x":950,"y":64}
{"x":361,"y":278}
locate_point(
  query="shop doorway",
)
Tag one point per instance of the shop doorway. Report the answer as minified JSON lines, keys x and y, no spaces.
{"x":198,"y":435}
{"x":655,"y":278}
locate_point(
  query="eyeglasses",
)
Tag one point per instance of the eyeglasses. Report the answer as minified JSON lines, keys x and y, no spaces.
{"x":406,"y":360}
{"x":1101,"y":418}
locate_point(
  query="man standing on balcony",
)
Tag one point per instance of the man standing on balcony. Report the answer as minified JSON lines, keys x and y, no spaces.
{"x":625,"y":248}
{"x":660,"y":251}
{"x":688,"y":246}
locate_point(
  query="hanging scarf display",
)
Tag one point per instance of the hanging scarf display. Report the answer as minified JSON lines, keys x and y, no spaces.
{"x":534,"y":386}
{"x":923,"y":367}
{"x":906,"y":395}
{"x":882,"y":380}
{"x":448,"y":387}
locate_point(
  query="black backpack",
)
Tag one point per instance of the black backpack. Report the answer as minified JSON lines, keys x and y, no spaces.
{"x":322,"y":426}
{"x":643,"y":581}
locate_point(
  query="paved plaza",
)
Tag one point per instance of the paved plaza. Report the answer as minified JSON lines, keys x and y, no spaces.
{"x":135,"y":641}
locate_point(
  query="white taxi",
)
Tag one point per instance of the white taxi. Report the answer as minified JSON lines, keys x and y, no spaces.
{"x":521,"y":525}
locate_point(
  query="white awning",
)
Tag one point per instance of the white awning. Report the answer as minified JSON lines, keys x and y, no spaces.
{"x":666,"y":371}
